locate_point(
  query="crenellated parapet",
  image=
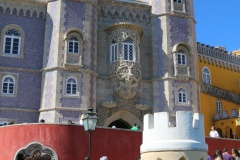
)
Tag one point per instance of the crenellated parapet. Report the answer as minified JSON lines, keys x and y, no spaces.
{"x":160,"y":139}
{"x":24,"y":7}
{"x":118,"y":10}
{"x":218,"y":53}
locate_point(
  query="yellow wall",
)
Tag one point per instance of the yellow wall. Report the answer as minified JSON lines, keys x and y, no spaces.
{"x":208,"y":109}
{"x":224,"y":79}
{"x":221,"y":78}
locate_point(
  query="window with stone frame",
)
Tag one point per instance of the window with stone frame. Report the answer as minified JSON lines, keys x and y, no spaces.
{"x":206,"y":76}
{"x":219,"y":106}
{"x":12,"y":41}
{"x":128,"y":50}
{"x":73,"y":45}
{"x":177,"y":1}
{"x":181,"y":58}
{"x":71,"y":86}
{"x":179,"y":6}
{"x":182,"y":95}
{"x":113,"y":51}
{"x":8,"y":84}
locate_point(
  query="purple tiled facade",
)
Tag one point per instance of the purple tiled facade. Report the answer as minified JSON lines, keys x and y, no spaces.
{"x":43,"y":69}
{"x":28,"y":93}
{"x":33,"y":45}
{"x":74,"y":15}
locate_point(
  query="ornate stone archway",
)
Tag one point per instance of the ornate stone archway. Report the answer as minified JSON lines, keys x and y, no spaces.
{"x":124,"y":115}
{"x":36,"y":150}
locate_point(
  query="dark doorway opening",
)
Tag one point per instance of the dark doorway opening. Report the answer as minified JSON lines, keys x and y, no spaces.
{"x":120,"y":124}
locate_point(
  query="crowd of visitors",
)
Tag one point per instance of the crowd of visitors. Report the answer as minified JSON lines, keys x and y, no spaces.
{"x":224,"y":155}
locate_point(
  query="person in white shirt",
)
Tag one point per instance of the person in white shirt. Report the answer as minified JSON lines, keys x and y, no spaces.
{"x":213,"y":133}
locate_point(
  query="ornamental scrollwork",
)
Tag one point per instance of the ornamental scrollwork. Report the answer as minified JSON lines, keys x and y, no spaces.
{"x":128,"y":77}
{"x":36,"y":151}
{"x":220,"y":93}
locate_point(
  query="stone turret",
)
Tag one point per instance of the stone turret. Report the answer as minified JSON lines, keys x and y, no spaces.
{"x":185,"y":141}
{"x":174,"y":56}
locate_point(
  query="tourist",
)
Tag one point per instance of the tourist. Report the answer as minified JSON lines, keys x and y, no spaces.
{"x":226,"y":155}
{"x":219,"y":155}
{"x":213,"y":132}
{"x":134,"y":128}
{"x":209,"y":158}
{"x":235,"y":154}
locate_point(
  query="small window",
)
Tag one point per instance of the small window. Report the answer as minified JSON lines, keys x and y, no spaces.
{"x":177,"y":1}
{"x":8,"y":85}
{"x":181,"y":58}
{"x":219,"y":106}
{"x":206,"y":76}
{"x":12,"y":42}
{"x":73,"y":45}
{"x":71,"y":86}
{"x":114,"y":51}
{"x":128,"y":50}
{"x":182,"y":95}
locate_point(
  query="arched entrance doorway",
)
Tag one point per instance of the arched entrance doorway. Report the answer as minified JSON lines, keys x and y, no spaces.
{"x":125,"y":117}
{"x":120,"y":124}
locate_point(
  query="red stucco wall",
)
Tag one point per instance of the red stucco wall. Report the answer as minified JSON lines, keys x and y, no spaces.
{"x":221,"y":143}
{"x":70,"y":142}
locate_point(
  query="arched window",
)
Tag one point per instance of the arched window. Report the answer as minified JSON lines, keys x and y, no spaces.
{"x":128,"y":50}
{"x":219,"y":106}
{"x":181,"y":58}
{"x":12,"y":42}
{"x":113,"y":51}
{"x":71,"y":86}
{"x":73,"y":45}
{"x":8,"y":84}
{"x":182,"y":95}
{"x":206,"y":76}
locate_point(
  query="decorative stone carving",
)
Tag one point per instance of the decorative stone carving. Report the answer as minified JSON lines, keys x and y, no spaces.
{"x":142,"y":107}
{"x":37,"y":150}
{"x":109,"y":104}
{"x":128,"y":77}
{"x":182,"y":72}
{"x":122,"y":104}
{"x":74,"y":67}
{"x":220,"y":93}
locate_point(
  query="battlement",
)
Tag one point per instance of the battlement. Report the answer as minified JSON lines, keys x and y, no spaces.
{"x":218,"y":52}
{"x":188,"y":134}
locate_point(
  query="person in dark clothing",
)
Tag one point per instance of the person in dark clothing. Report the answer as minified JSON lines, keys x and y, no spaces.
{"x":218,"y":153}
{"x":235,"y":154}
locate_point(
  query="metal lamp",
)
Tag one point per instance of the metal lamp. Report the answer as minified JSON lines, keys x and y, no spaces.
{"x":89,"y":123}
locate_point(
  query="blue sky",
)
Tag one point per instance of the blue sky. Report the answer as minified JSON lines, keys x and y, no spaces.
{"x":218,"y":23}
